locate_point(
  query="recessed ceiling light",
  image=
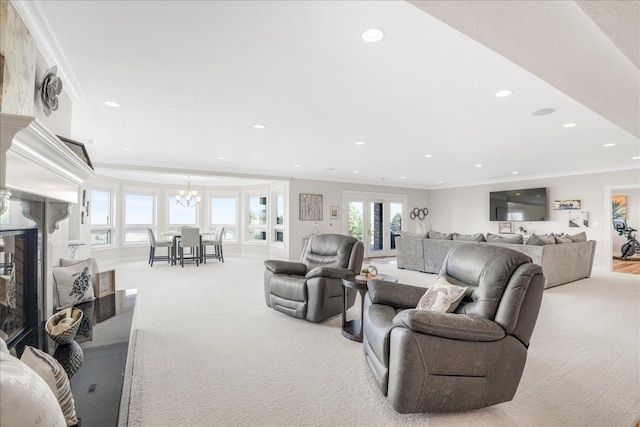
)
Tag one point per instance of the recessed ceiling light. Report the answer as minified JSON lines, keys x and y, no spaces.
{"x":403,"y":177}
{"x":296,"y":166}
{"x":440,"y":182}
{"x":569,"y":125}
{"x":543,"y":112}
{"x":222,"y":158}
{"x":260,"y":126}
{"x":126,"y":149}
{"x":111,"y":104}
{"x":610,"y":144}
{"x":515,"y":173}
{"x":503,"y":93}
{"x":356,"y":171}
{"x":635,"y":158}
{"x":359,"y":143}
{"x":428,"y":155}
{"x":478,"y":165}
{"x":372,"y":35}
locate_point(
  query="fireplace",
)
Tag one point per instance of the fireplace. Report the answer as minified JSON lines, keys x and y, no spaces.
{"x":20,"y":283}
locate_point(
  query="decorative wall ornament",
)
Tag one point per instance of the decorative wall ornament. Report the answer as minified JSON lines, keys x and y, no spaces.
{"x":579,"y":219}
{"x":505,"y":227}
{"x":566,"y":205}
{"x":57,"y":213}
{"x":619,"y":207}
{"x":5,"y":194}
{"x":310,"y":207}
{"x":50,"y":88}
{"x":419,"y":213}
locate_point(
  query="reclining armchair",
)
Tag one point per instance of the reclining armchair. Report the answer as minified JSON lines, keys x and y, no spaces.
{"x":312,"y":288}
{"x":470,"y":357}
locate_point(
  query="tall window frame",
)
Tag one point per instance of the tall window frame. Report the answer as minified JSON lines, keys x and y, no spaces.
{"x":134,"y":228}
{"x":229,"y":222}
{"x":102,"y":217}
{"x":279,"y":217}
{"x":256,"y":217}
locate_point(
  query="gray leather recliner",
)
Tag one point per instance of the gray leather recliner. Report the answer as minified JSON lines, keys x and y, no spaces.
{"x":312,"y":288}
{"x":427,"y":361}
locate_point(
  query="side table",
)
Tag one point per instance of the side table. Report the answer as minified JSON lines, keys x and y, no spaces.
{"x":352,"y":329}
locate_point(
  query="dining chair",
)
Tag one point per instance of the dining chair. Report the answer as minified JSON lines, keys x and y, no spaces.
{"x":189,"y":238}
{"x":153,"y":243}
{"x":216,"y":242}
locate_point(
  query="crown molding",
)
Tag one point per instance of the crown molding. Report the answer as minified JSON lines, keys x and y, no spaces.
{"x":37,"y":23}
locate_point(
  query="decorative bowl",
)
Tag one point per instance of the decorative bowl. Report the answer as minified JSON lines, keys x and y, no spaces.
{"x":63,"y":325}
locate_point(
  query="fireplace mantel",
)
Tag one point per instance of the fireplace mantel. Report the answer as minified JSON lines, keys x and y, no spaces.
{"x":36,"y":164}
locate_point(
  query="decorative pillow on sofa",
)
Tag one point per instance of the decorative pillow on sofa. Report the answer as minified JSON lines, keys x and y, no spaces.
{"x":516,"y":238}
{"x":73,"y":283}
{"x":580,"y":237}
{"x":562,"y":238}
{"x":438,"y":235}
{"x":538,"y":240}
{"x":25,"y":398}
{"x":478,"y":237}
{"x":442,"y":296}
{"x":410,"y":235}
{"x":56,"y":378}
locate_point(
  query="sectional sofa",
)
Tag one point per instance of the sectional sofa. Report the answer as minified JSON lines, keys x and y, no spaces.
{"x":563,"y":258}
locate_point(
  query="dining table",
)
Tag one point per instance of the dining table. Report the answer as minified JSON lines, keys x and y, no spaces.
{"x":175,"y":236}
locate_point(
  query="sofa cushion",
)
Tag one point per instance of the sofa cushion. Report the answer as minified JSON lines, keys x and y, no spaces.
{"x":562,"y":238}
{"x":330,"y":250}
{"x":579,"y":237}
{"x":516,"y":238}
{"x":477,"y":237}
{"x":442,"y":296}
{"x":440,"y":236}
{"x":538,"y":240}
{"x":73,"y":283}
{"x":410,"y":235}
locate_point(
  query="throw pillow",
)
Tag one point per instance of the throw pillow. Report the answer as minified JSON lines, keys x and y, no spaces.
{"x":442,"y":296}
{"x":25,"y":398}
{"x":73,"y":283}
{"x":516,"y":238}
{"x":563,"y":239}
{"x":537,"y":240}
{"x":478,"y":237}
{"x":56,"y":378}
{"x":411,"y":235}
{"x":580,"y":237}
{"x":439,"y":235}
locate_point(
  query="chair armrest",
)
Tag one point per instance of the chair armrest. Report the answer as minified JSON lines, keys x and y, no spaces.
{"x":286,"y":267}
{"x":395,"y":294}
{"x":449,"y":325}
{"x":331,"y":272}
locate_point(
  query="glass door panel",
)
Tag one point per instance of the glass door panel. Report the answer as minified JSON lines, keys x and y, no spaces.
{"x":395,"y":226}
{"x":376,"y":227}
{"x":356,"y":219}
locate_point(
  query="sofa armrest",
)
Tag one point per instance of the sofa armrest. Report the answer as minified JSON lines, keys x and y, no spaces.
{"x":449,"y":325}
{"x":331,"y":272}
{"x":395,"y":294}
{"x":286,"y":267}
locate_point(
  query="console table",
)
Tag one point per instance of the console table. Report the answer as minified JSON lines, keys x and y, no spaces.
{"x":97,"y":384}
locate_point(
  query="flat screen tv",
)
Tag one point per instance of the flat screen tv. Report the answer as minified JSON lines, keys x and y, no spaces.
{"x":518,"y":205}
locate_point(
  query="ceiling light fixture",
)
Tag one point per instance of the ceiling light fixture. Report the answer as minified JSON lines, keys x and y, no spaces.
{"x":515,"y":173}
{"x":126,"y":149}
{"x":356,"y":171}
{"x":503,"y":93}
{"x":478,"y":165}
{"x":296,"y":166}
{"x":428,"y":156}
{"x":372,"y":35}
{"x":635,"y":158}
{"x":440,"y":182}
{"x":610,"y":144}
{"x":569,"y":125}
{"x":188,"y":198}
{"x":260,"y":126}
{"x":111,"y":104}
{"x":222,"y":158}
{"x":359,"y":143}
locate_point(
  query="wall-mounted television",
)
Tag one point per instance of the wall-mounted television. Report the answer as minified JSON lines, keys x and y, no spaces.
{"x":518,"y":205}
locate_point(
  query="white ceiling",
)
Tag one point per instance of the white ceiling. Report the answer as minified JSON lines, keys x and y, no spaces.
{"x":193,"y":77}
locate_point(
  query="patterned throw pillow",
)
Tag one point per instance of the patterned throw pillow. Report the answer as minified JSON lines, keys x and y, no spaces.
{"x":25,"y":398}
{"x":73,"y":283}
{"x":442,"y":296}
{"x":538,"y":240}
{"x":56,"y":378}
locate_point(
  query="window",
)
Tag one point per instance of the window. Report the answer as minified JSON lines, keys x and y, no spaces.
{"x":101,"y":218}
{"x":179,"y":215}
{"x":278,"y":214}
{"x":257,"y":225}
{"x":224,"y":214}
{"x":138,"y":216}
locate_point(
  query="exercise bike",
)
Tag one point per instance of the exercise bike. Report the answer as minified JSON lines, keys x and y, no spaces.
{"x":632,"y":246}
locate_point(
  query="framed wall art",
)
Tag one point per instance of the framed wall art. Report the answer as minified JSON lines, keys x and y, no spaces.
{"x":334,"y":212}
{"x":564,"y":205}
{"x":619,"y":207}
{"x":310,"y":207}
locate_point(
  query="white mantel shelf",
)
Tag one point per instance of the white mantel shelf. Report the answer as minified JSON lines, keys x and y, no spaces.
{"x":35,"y":162}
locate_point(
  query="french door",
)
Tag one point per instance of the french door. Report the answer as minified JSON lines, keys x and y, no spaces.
{"x":375,"y":219}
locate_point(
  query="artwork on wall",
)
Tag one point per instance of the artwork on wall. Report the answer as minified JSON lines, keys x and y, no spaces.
{"x":579,"y":219}
{"x":334,"y":212}
{"x":310,"y":207}
{"x":566,"y":205}
{"x":619,"y":207}
{"x":505,"y":227}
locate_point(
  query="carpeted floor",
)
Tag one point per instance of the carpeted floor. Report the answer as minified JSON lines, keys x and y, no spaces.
{"x":210,"y":353}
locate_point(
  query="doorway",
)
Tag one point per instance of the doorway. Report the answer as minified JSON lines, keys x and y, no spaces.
{"x":613,"y":241}
{"x":376,"y":220}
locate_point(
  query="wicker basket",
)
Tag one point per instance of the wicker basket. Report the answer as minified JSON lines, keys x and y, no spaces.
{"x":67,"y":334}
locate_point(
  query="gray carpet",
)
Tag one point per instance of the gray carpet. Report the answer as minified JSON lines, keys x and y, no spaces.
{"x":210,"y":353}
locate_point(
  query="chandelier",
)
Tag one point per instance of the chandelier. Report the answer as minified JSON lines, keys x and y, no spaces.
{"x":188,"y":198}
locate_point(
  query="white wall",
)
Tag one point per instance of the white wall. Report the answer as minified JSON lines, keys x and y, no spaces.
{"x":466,"y":210}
